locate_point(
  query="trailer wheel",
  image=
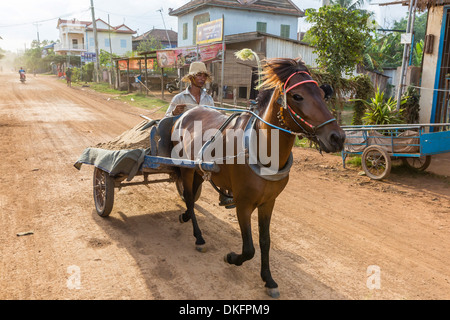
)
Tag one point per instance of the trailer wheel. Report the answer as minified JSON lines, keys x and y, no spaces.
{"x":180,"y":189}
{"x":419,"y":164}
{"x":103,"y":192}
{"x":376,"y":162}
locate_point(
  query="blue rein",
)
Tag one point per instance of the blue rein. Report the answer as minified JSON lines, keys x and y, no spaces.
{"x":255,"y":115}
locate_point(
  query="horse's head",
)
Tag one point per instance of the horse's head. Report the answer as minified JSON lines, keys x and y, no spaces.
{"x":302,"y":108}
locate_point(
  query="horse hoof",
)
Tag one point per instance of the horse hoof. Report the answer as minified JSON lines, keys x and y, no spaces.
{"x":201,"y":248}
{"x":180,"y":217}
{"x":273,"y":292}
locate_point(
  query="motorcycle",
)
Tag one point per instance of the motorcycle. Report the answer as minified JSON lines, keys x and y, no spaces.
{"x":172,"y":86}
{"x":23,"y":77}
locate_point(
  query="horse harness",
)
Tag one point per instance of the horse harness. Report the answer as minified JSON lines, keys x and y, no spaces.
{"x":282,"y":101}
{"x":257,"y":168}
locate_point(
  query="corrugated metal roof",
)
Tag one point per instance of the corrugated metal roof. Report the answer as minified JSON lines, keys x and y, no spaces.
{"x":158,"y":34}
{"x":422,"y":5}
{"x":276,"y":6}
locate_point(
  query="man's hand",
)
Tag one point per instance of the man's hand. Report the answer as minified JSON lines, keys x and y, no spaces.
{"x":179,"y":109}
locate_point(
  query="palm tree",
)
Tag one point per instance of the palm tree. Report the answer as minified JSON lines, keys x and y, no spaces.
{"x":349,"y":4}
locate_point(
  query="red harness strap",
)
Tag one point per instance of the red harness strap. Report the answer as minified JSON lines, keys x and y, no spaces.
{"x":314,"y":128}
{"x":297,"y":84}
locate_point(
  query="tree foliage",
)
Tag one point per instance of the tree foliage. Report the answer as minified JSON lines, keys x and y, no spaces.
{"x":386,"y":51}
{"x":340,"y":35}
{"x":359,"y":87}
{"x":149,"y":44}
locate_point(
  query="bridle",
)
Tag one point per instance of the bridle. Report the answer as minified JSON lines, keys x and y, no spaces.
{"x":285,"y":106}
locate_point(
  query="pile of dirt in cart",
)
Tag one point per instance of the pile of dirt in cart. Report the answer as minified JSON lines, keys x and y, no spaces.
{"x":137,"y":137}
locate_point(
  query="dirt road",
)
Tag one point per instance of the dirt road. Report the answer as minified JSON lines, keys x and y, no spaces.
{"x":335,"y":234}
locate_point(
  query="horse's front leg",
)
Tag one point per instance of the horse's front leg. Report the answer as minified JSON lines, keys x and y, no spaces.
{"x":244,"y":213}
{"x":264,"y":216}
{"x":191,"y":183}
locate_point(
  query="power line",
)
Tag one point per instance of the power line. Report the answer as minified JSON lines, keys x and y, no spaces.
{"x":41,"y":21}
{"x":137,"y":19}
{"x":144,"y":16}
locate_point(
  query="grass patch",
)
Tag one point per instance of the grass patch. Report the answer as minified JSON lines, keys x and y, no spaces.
{"x":144,"y":102}
{"x":303,"y":143}
{"x":135,"y":99}
{"x":353,"y":161}
{"x":101,"y":87}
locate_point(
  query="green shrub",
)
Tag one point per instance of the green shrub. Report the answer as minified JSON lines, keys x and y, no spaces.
{"x":382,"y":111}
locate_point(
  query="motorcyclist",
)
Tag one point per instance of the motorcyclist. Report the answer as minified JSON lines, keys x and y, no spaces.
{"x":22,"y":73}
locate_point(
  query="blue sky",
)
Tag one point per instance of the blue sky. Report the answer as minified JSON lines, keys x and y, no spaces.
{"x":21,"y":20}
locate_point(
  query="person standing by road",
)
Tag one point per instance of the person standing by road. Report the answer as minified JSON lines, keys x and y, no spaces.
{"x":69,"y":77}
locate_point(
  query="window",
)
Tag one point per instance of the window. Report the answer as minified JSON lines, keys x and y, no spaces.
{"x":198,"y":19}
{"x":285,"y":30}
{"x":107,"y":43}
{"x":91,"y":42}
{"x":75,"y":43}
{"x":185,"y":31}
{"x":261,"y":27}
{"x":123,"y":43}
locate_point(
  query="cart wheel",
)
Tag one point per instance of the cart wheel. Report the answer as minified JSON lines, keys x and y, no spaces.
{"x":103,"y":192}
{"x":419,"y":164}
{"x":376,"y":162}
{"x":180,"y":189}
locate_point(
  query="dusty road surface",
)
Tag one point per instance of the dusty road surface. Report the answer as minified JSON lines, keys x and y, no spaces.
{"x":335,"y":234}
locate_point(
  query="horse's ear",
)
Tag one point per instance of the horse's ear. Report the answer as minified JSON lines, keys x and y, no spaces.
{"x":328,"y":90}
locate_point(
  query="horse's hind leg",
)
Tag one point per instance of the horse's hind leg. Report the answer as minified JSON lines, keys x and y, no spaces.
{"x":264,"y":216}
{"x":191,"y":183}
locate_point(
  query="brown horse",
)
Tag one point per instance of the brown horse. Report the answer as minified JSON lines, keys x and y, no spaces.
{"x":290,"y":103}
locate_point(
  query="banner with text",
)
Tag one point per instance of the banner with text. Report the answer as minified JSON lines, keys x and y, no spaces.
{"x":182,"y":57}
{"x":211,"y":31}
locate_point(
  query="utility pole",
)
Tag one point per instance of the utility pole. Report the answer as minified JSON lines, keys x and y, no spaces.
{"x":167,"y":34}
{"x":94,"y":25}
{"x":37,"y":28}
{"x":407,"y":45}
{"x":110,"y":52}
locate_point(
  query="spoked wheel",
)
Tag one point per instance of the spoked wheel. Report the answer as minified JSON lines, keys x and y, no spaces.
{"x":376,"y":162}
{"x":180,"y":189}
{"x":103,"y":192}
{"x":419,"y":164}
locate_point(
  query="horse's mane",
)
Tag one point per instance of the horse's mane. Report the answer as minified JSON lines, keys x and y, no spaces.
{"x":275,"y":73}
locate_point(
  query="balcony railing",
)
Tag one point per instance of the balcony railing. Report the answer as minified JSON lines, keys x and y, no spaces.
{"x":71,"y":47}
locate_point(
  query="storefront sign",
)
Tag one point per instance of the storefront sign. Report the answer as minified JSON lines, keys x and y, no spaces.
{"x":210,"y":32}
{"x":181,"y":57}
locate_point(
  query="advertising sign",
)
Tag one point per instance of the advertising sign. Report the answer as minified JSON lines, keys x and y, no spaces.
{"x":88,"y":57}
{"x":166,"y":59}
{"x":210,"y":31}
{"x":182,"y":57}
{"x":135,"y":64}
